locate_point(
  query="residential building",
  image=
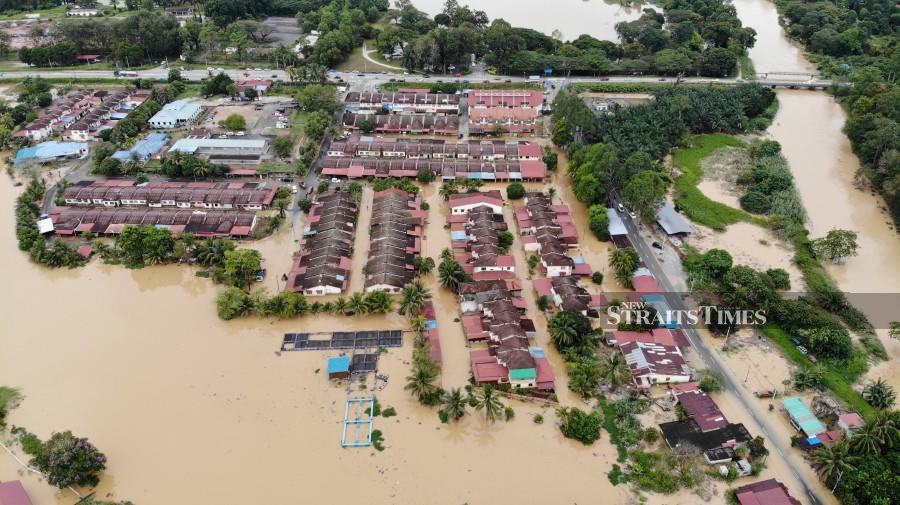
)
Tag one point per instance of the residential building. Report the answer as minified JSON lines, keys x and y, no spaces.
{"x":323,"y":265}
{"x":549,"y":230}
{"x":486,"y":98}
{"x":716,"y":445}
{"x":565,"y":292}
{"x":446,"y":169}
{"x":652,"y":363}
{"x":697,"y":405}
{"x":182,"y":195}
{"x":462,"y":203}
{"x":395,"y":240}
{"x":403,"y":103}
{"x":502,"y":120}
{"x":765,"y":492}
{"x":404,"y":123}
{"x":485,"y":150}
{"x":227,"y":151}
{"x":849,"y":422}
{"x":260,"y":86}
{"x":476,"y":242}
{"x":111,"y":221}
{"x":175,"y":114}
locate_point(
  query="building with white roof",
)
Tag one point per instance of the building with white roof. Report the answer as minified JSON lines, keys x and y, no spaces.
{"x":177,"y":113}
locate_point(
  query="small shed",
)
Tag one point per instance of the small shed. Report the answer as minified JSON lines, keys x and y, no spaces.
{"x":339,"y":367}
{"x":801,"y":417}
{"x":671,"y":221}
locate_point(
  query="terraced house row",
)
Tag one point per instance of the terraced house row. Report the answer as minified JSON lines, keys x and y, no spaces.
{"x":81,"y":115}
{"x":406,"y":123}
{"x":475,"y":236}
{"x":105,"y":221}
{"x":417,"y":101}
{"x":485,"y":150}
{"x":395,"y":239}
{"x":548,"y":230}
{"x":183,"y":195}
{"x":323,"y":265}
{"x":446,"y":169}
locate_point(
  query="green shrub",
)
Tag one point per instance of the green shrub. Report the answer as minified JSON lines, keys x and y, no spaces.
{"x":580,"y":425}
{"x":538,"y":419}
{"x":515,"y":191}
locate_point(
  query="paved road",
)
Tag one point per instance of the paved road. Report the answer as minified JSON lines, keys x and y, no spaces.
{"x":711,"y":358}
{"x":350,"y":77}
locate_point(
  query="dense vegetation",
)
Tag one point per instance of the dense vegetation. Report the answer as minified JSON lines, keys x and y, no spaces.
{"x":55,"y":253}
{"x":620,"y":153}
{"x":702,"y":37}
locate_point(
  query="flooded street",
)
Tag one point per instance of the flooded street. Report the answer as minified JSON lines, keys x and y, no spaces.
{"x":572,"y":18}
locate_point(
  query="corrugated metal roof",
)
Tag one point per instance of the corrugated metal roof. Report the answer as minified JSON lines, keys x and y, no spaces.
{"x":616,"y":226}
{"x":804,"y":417}
{"x":671,"y":220}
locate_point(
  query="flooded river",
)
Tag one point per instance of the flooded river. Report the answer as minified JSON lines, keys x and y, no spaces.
{"x":809,"y":127}
{"x":572,"y":18}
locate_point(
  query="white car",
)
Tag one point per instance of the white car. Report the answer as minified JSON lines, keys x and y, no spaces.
{"x":240,"y":134}
{"x":632,"y":214}
{"x":294,"y":189}
{"x":621,"y":207}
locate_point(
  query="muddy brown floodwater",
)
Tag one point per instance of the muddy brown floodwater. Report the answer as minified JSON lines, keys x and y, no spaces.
{"x":190,"y":409}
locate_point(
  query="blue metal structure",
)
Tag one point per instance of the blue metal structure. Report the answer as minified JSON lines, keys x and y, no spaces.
{"x":361,"y":410}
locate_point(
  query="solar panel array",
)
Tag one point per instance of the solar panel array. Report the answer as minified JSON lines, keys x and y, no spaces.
{"x":342,"y":340}
{"x":362,"y":363}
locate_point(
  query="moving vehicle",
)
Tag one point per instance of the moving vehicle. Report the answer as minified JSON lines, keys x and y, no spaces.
{"x":620,"y":207}
{"x":125,"y":73}
{"x":294,"y":189}
{"x":632,"y":214}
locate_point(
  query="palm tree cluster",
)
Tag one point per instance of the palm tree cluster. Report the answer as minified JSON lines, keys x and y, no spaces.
{"x":879,"y":394}
{"x":624,"y":262}
{"x":488,"y":402}
{"x":569,"y":329}
{"x":455,"y":186}
{"x":454,"y":405}
{"x":413,"y":298}
{"x":451,"y":274}
{"x":873,"y":439}
{"x":422,"y":378}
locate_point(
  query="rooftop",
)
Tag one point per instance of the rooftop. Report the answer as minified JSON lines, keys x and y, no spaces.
{"x":765,"y":492}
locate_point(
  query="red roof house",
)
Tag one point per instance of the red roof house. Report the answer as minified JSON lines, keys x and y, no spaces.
{"x":766,"y":492}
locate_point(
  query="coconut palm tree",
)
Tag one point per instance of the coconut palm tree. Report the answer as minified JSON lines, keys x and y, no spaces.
{"x":357,"y":304}
{"x":885,"y":426}
{"x":879,"y":394}
{"x":832,"y":461}
{"x":449,"y":189}
{"x":413,"y":298}
{"x":421,"y":382}
{"x":446,"y":254}
{"x":614,"y":370}
{"x":489,"y":402}
{"x":451,"y":274}
{"x":569,"y":329}
{"x":379,"y":302}
{"x":624,"y":262}
{"x":454,"y":404}
{"x":339,"y":306}
{"x":418,"y":325}
{"x":866,"y":441}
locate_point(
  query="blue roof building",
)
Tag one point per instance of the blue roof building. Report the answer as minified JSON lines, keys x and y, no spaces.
{"x":51,"y":151}
{"x":143,"y":150}
{"x":339,"y":367}
{"x":801,"y":417}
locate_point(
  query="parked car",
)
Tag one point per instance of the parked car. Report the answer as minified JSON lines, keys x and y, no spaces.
{"x":620,"y":207}
{"x":240,"y":133}
{"x":294,"y":189}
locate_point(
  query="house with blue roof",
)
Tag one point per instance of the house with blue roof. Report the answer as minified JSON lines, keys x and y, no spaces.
{"x":46,"y":152}
{"x":143,"y":150}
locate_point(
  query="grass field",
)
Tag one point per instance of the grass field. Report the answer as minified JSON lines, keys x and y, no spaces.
{"x":356,"y":63}
{"x":697,"y":206}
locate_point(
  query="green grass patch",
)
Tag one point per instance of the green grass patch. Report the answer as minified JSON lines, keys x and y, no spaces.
{"x":626,"y":87}
{"x":53,"y":12}
{"x":609,"y":424}
{"x":748,"y":71}
{"x":835,"y":377}
{"x":697,"y":206}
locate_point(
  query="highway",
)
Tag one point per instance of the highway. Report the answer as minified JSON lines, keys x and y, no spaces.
{"x":379,"y":77}
{"x":711,"y":358}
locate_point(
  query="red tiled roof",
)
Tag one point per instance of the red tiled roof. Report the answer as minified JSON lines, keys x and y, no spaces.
{"x":766,"y":492}
{"x":545,"y":378}
{"x":12,"y":493}
{"x":701,"y":408}
{"x":645,"y":284}
{"x":485,"y":367}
